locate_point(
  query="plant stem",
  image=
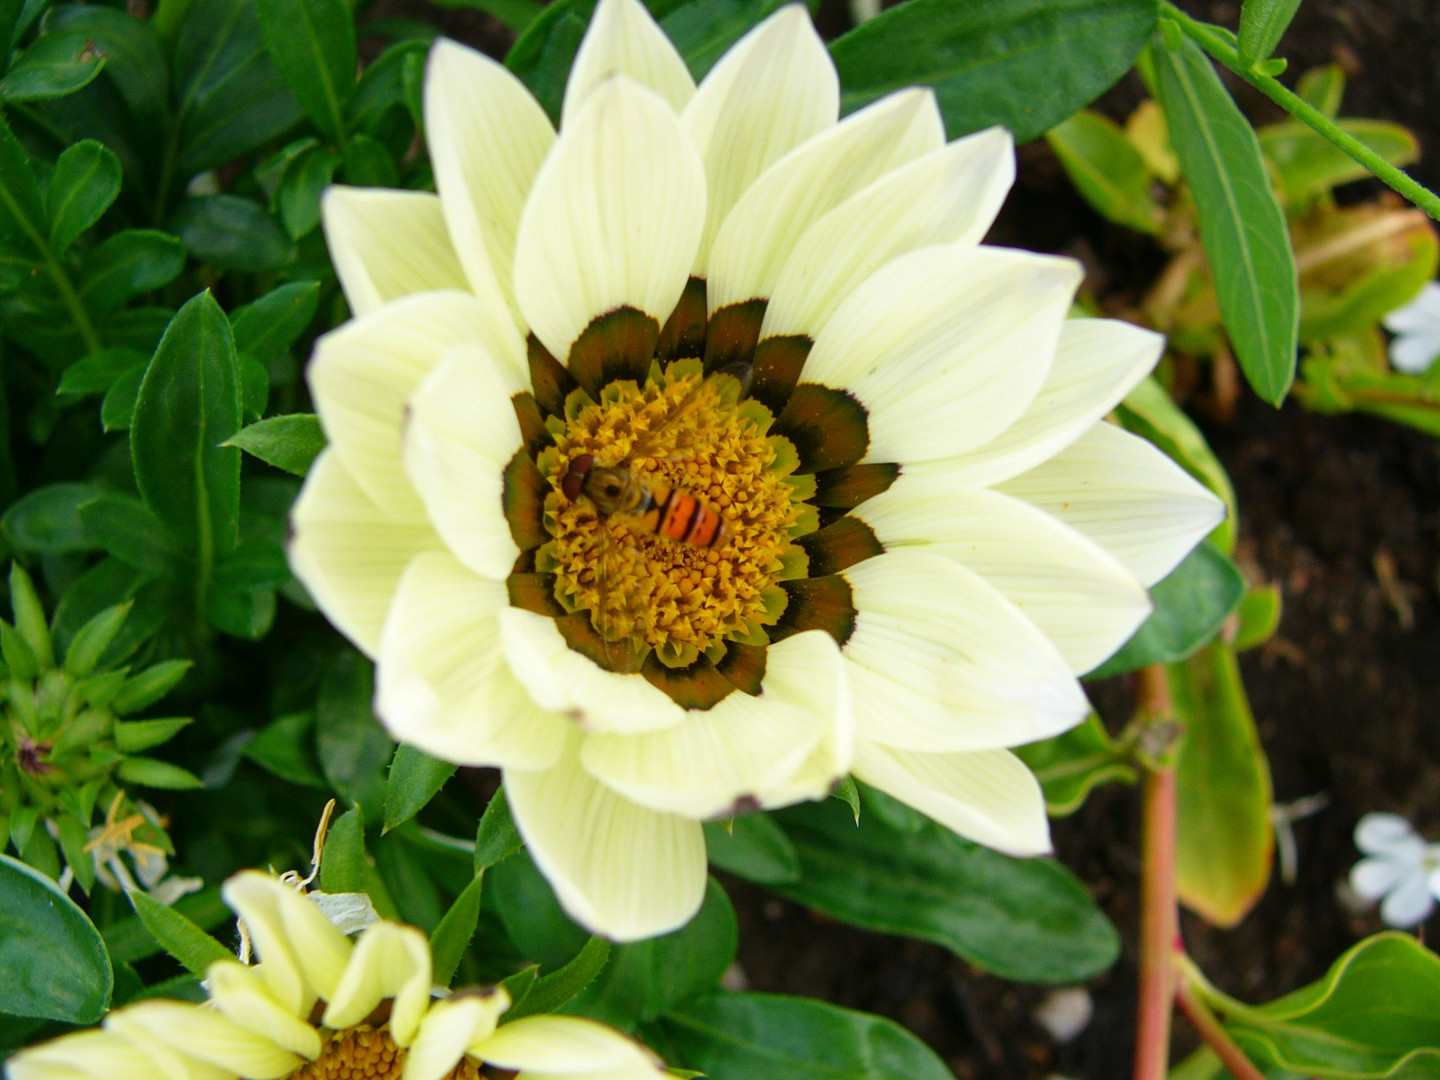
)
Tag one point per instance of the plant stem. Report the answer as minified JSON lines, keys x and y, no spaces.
{"x":1158,"y":919}
{"x":1220,"y":49}
{"x":1213,"y":1032}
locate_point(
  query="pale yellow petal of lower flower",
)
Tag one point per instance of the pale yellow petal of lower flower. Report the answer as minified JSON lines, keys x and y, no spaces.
{"x":941,"y":662}
{"x":97,"y":1054}
{"x":348,"y":553}
{"x":945,"y":347}
{"x":320,"y":952}
{"x":772,"y":90}
{"x":451,"y":1026}
{"x":388,"y":244}
{"x":618,"y":868}
{"x":252,"y":896}
{"x":745,"y":750}
{"x":166,"y":1062}
{"x":624,"y":39}
{"x":241,"y":994}
{"x":208,"y":1035}
{"x":443,"y":683}
{"x":563,"y":1046}
{"x":1125,"y":495}
{"x":487,"y":136}
{"x":989,"y":797}
{"x":389,"y":961}
{"x":762,"y":229}
{"x":613,"y":219}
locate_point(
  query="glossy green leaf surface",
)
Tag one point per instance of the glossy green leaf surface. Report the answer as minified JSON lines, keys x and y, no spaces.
{"x":1262,"y":24}
{"x":1191,"y":604}
{"x":84,"y":184}
{"x":452,"y":936}
{"x":1241,"y":224}
{"x":496,"y":836}
{"x":414,"y":779}
{"x":1311,"y":164}
{"x":127,"y":529}
{"x":1028,"y":920}
{"x":1026,"y":66}
{"x":753,"y":847}
{"x":288,"y":442}
{"x":134,"y":64}
{"x":232,"y":233}
{"x":268,"y":326}
{"x":312,"y":43}
{"x":47,"y":520}
{"x":1073,"y":764}
{"x":127,"y":264}
{"x":53,"y":963}
{"x":55,"y":65}
{"x":177,"y":935}
{"x":552,"y":991}
{"x":342,"y":863}
{"x":772,"y":1037}
{"x":1107,"y":170}
{"x":1224,"y":841}
{"x":286,"y":748}
{"x":354,"y":749}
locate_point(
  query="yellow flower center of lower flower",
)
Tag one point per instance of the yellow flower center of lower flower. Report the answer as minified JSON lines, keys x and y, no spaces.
{"x":366,"y":1053}
{"x":645,"y":573}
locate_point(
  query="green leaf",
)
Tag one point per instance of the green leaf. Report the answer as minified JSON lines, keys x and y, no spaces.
{"x":849,"y":793}
{"x":452,"y":936}
{"x":1311,"y":165}
{"x":126,"y":529}
{"x":648,"y":978}
{"x":90,"y":643}
{"x":1028,"y":920}
{"x":354,"y":750}
{"x":381,"y":87}
{"x":297,"y":199}
{"x":1324,"y":88}
{"x":531,"y":915}
{"x":30,"y":618}
{"x":1262,"y":25}
{"x":72,"y":838}
{"x":117,"y":410}
{"x":132,"y":736}
{"x":149,"y":686}
{"x":152,"y":773}
{"x":189,"y":405}
{"x":288,"y":442}
{"x":1191,"y":605}
{"x":96,"y":373}
{"x":177,"y":935}
{"x":497,"y":837}
{"x":47,"y":520}
{"x":1223,"y":838}
{"x":1152,"y":414}
{"x":1073,"y":764}
{"x":22,"y":219}
{"x":542,"y":55}
{"x":269,"y":326}
{"x":128,"y":264}
{"x":1259,"y":617}
{"x":84,"y":184}
{"x":414,"y":779}
{"x":753,"y":847}
{"x":1027,"y":66}
{"x":1107,"y":170}
{"x":286,"y":748}
{"x":561,"y":986}
{"x":313,"y":45}
{"x":129,"y":941}
{"x":515,"y":14}
{"x":243,"y":612}
{"x":229,"y":97}
{"x":1242,"y":226}
{"x":232,"y":233}
{"x":770,"y":1037}
{"x":1375,"y":1013}
{"x":703,"y":32}
{"x":342,"y":863}
{"x":53,"y":963}
{"x":134,"y":63}
{"x":367,"y":163}
{"x":55,"y":65}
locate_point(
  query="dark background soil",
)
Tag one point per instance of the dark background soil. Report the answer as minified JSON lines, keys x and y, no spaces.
{"x":1343,"y":696}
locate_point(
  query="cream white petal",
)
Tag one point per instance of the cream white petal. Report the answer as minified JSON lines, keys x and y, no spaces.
{"x":1079,"y":596}
{"x":618,"y":868}
{"x":388,"y":244}
{"x":989,"y":797}
{"x":208,"y":1036}
{"x":249,"y":895}
{"x":1127,"y":496}
{"x":1097,"y":363}
{"x":443,"y":683}
{"x":563,"y":1045}
{"x":624,"y":39}
{"x":363,"y":373}
{"x":945,"y":347}
{"x":487,"y":136}
{"x":759,"y":233}
{"x":563,"y":681}
{"x":166,"y":1062}
{"x":348,"y":553}
{"x":81,"y":1056}
{"x":772,"y":90}
{"x":745,"y":749}
{"x":952,"y":194}
{"x":292,"y":924}
{"x":448,"y":1030}
{"x":389,"y":961}
{"x":940,"y":661}
{"x":613,"y":219}
{"x":461,"y":433}
{"x":240,"y":993}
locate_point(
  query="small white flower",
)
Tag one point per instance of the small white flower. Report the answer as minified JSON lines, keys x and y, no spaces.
{"x":1400,"y":866}
{"x":1416,"y":327}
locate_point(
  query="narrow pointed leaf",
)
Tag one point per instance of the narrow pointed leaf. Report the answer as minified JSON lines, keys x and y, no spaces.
{"x":342,"y":864}
{"x":1262,"y":25}
{"x":288,"y":442}
{"x":414,"y":779}
{"x":84,"y":184}
{"x":312,"y":43}
{"x":177,"y":935}
{"x":452,"y":937}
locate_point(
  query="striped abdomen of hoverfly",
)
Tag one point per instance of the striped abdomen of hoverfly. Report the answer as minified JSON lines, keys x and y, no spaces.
{"x":650,"y":507}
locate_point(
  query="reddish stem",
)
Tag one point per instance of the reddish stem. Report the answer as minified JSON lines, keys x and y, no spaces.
{"x":1213,"y":1032}
{"x":1158,"y":920}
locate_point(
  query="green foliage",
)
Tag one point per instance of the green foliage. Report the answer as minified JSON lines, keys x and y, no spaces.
{"x":178,"y":936}
{"x":1262,"y":24}
{"x":1073,"y":764}
{"x":1107,"y":169}
{"x":53,"y":963}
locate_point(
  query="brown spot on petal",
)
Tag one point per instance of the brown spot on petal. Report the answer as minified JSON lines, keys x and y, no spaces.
{"x":822,"y":603}
{"x":696,"y":686}
{"x":549,"y":380}
{"x":732,"y":333}
{"x":827,"y":426}
{"x":778,"y":363}
{"x":683,"y":335}
{"x":523,"y":498}
{"x":532,"y":423}
{"x":743,"y":666}
{"x":840,"y":545}
{"x":617,"y":345}
{"x":848,"y":487}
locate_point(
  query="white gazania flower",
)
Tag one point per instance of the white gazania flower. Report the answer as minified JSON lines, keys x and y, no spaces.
{"x":900,"y":527}
{"x":1400,"y":867}
{"x":1416,"y":327}
{"x":319,"y":1007}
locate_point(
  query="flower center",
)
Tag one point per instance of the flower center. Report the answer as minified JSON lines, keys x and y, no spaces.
{"x":366,"y":1053}
{"x":671,"y":515}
